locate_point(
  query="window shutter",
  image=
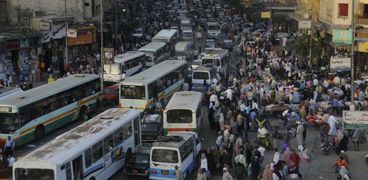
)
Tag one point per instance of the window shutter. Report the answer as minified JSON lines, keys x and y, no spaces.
{"x":343,"y":9}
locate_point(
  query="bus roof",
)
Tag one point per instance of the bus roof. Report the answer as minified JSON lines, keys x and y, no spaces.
{"x":164,"y":35}
{"x":152,"y":74}
{"x":185,"y":100}
{"x":180,"y":46}
{"x":47,"y":90}
{"x":203,"y":68}
{"x":64,"y":147}
{"x":121,"y":58}
{"x":173,"y":144}
{"x":214,"y":52}
{"x":152,"y":47}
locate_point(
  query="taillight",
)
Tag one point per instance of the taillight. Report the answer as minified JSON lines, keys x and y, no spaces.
{"x":153,"y":172}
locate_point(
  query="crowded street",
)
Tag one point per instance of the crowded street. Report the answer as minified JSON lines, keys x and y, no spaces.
{"x":184,"y":89}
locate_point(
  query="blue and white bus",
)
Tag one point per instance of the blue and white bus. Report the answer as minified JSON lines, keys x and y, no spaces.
{"x":94,"y":150}
{"x":155,"y":52}
{"x":177,"y":149}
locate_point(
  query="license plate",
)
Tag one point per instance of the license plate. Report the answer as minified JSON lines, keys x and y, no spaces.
{"x":165,"y":172}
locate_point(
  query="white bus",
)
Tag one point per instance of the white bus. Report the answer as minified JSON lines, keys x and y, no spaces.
{"x":31,"y":114}
{"x":169,"y":36}
{"x":179,"y":149}
{"x":183,"y":112}
{"x":96,"y":149}
{"x":124,"y":65}
{"x":216,"y":58}
{"x":156,"y":52}
{"x":156,"y":83}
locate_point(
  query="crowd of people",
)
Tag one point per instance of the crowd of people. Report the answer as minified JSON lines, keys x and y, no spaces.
{"x":265,"y":77}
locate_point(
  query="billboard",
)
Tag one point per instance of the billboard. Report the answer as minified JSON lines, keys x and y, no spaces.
{"x":355,"y":119}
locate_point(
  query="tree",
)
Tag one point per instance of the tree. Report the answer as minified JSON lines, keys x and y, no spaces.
{"x":302,"y":45}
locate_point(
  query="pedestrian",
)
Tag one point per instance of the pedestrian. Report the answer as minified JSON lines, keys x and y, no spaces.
{"x":294,"y":163}
{"x":9,"y":146}
{"x":299,"y":133}
{"x":204,"y":163}
{"x":226,"y":175}
{"x":201,"y":174}
{"x":178,"y":174}
{"x":267,"y":173}
{"x":256,"y":168}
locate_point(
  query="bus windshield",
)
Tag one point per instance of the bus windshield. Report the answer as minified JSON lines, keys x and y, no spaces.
{"x":200,"y":75}
{"x":132,"y":92}
{"x":207,"y":62}
{"x":7,"y":123}
{"x":213,"y":27}
{"x":179,"y":116}
{"x":165,"y":156}
{"x":31,"y":174}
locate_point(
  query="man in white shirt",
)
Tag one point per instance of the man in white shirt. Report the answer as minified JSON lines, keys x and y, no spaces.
{"x":229,"y":94}
{"x":213,"y":99}
{"x":315,"y":82}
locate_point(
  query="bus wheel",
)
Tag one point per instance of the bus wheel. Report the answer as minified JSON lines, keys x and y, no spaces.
{"x":92,"y":178}
{"x":40,"y":132}
{"x":83,"y":113}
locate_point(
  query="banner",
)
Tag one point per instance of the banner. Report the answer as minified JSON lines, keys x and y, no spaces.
{"x":355,"y":119}
{"x":336,"y":63}
{"x":304,"y":24}
{"x":342,"y":36}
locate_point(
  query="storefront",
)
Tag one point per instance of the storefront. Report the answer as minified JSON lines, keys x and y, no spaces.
{"x":361,"y":51}
{"x":20,"y":57}
{"x":81,"y":46}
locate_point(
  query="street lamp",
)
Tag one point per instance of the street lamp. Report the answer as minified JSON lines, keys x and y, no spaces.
{"x":102,"y":56}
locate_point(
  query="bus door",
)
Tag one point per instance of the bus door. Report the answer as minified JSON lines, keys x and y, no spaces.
{"x":137,"y":132}
{"x":78,"y":168}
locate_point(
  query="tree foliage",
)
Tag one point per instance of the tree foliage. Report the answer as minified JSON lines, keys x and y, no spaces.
{"x":302,"y":45}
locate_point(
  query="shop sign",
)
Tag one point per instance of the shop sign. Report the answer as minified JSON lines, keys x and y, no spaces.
{"x":304,"y":24}
{"x":362,"y":47}
{"x":44,"y":26}
{"x":336,"y":63}
{"x":355,"y":119}
{"x":342,"y":36}
{"x":266,"y":14}
{"x":81,"y":39}
{"x":72,"y":33}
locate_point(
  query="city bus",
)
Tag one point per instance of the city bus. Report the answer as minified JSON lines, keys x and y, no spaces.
{"x":156,"y":83}
{"x":183,"y":112}
{"x":177,"y":149}
{"x":96,"y":150}
{"x":169,"y":36}
{"x":31,"y":114}
{"x":155,"y":52}
{"x":216,"y":58}
{"x":124,"y":65}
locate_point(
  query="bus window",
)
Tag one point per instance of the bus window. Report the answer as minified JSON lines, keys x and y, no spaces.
{"x":97,"y":152}
{"x":7,"y":123}
{"x":218,"y":63}
{"x":68,"y":171}
{"x":108,"y":144}
{"x":30,"y":174}
{"x":127,"y":130}
{"x":87,"y":158}
{"x":165,"y":156}
{"x":179,"y":116}
{"x":118,"y":136}
{"x":207,"y":61}
{"x":133,"y":92}
{"x":200,"y":75}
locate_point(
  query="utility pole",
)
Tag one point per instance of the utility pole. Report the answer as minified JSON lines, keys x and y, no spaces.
{"x":66,"y":35}
{"x":352,"y":51}
{"x":102,"y":56}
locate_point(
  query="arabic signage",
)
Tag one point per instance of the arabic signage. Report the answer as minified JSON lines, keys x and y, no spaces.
{"x":355,"y":119}
{"x":342,"y":36}
{"x":336,"y":63}
{"x":45,"y":26}
{"x":72,"y":33}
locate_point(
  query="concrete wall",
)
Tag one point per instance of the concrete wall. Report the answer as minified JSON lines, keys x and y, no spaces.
{"x":49,"y":7}
{"x":342,"y":20}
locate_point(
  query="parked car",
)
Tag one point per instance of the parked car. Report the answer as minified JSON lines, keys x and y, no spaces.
{"x":138,"y":164}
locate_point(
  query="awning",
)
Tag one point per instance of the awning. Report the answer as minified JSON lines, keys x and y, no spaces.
{"x":297,"y":17}
{"x":57,"y":32}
